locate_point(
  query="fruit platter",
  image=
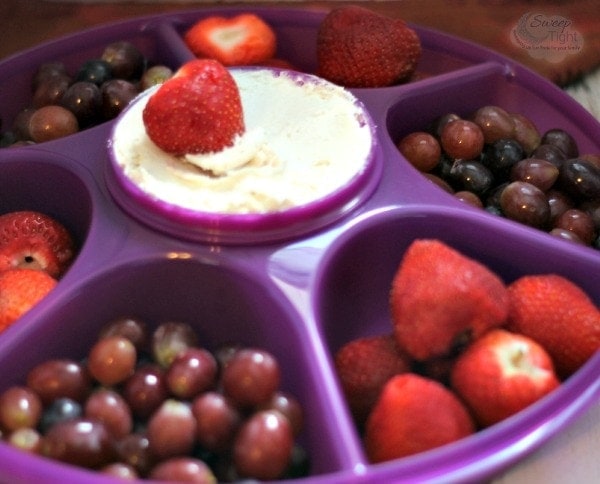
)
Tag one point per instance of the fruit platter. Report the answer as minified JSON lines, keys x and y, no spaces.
{"x":449,"y":240}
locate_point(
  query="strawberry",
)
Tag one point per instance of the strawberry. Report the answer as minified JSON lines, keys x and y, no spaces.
{"x":360,"y":48}
{"x":20,"y":290}
{"x":502,"y":373}
{"x":198,"y":110}
{"x":557,"y":314}
{"x":33,"y":240}
{"x":440,"y":300}
{"x":363,"y":366}
{"x":414,"y":414}
{"x":240,"y":40}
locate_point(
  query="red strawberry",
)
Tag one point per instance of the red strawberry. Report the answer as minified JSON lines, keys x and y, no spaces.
{"x":502,"y":373}
{"x":441,"y":300}
{"x":20,"y":290}
{"x":198,"y":110}
{"x":412,"y":415}
{"x":363,"y":366}
{"x":33,"y":240}
{"x":241,"y":40}
{"x":360,"y":48}
{"x":557,"y":314}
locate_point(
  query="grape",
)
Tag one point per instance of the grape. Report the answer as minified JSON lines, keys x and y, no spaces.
{"x":110,"y":408}
{"x":134,"y":329}
{"x":52,"y":122}
{"x":525,"y":203}
{"x":502,"y":155}
{"x":58,"y":378}
{"x":134,"y":450}
{"x":172,"y":429}
{"x":565,"y":234}
{"x":495,"y":123}
{"x":193,"y":371}
{"x":562,"y":140}
{"x":81,"y":442}
{"x":251,"y":377}
{"x":578,"y":222}
{"x":20,"y":126}
{"x":126,"y":61}
{"x":592,"y":208}
{"x":439,"y":182}
{"x":422,"y":150}
{"x":155,"y":75}
{"x":170,"y":339}
{"x":469,"y":198}
{"x":112,"y":360}
{"x":27,"y":439}
{"x":472,"y":176}
{"x":120,"y":471}
{"x":525,"y":133}
{"x":263,"y":446}
{"x":183,"y":469}
{"x":580,"y":179}
{"x":48,"y":71}
{"x":116,"y":95}
{"x":217,"y":420}
{"x":60,"y":410}
{"x":50,"y":92}
{"x":559,"y":203}
{"x":145,"y":390}
{"x":540,"y":173}
{"x":462,"y":139}
{"x":289,"y":406}
{"x":20,"y":407}
{"x":439,"y":123}
{"x":94,"y":70}
{"x":84,"y":100}
{"x":550,"y":153}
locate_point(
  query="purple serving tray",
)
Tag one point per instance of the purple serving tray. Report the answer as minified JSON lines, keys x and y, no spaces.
{"x":306,"y":292}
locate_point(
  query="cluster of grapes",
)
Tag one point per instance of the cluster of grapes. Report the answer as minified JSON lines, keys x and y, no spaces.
{"x":159,"y":406}
{"x":63,"y":104}
{"x":500,"y":161}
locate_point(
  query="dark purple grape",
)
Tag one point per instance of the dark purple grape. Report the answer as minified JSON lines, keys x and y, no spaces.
{"x":580,"y":179}
{"x":251,"y":377}
{"x":550,"y":153}
{"x":472,"y":176}
{"x":126,"y":61}
{"x":84,"y":100}
{"x":20,"y":126}
{"x":183,"y":469}
{"x":540,"y":173}
{"x":145,"y":390}
{"x":263,"y":446}
{"x":171,"y":338}
{"x":217,"y":421}
{"x":155,"y":75}
{"x":60,"y":410}
{"x":501,"y":155}
{"x":592,"y":208}
{"x":495,"y":123}
{"x":437,"y":126}
{"x":81,"y":442}
{"x":109,"y":407}
{"x":48,"y":71}
{"x":134,"y":450}
{"x":132,"y":328}
{"x":112,"y":360}
{"x":421,"y":149}
{"x":96,"y":71}
{"x":562,"y":140}
{"x":52,"y":122}
{"x":578,"y":222}
{"x":525,"y":203}
{"x":559,"y":203}
{"x":116,"y":95}
{"x":193,"y":371}
{"x":58,"y":378}
{"x":171,"y":429}
{"x":525,"y":133}
{"x":462,"y":139}
{"x":20,"y":407}
{"x":50,"y":92}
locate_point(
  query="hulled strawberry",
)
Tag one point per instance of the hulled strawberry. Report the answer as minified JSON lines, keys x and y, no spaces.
{"x":240,"y":40}
{"x":414,"y":414}
{"x":557,"y":314}
{"x":360,"y":48}
{"x":20,"y":290}
{"x":440,"y":300}
{"x":502,"y":373}
{"x":364,"y":365}
{"x":30,"y":239}
{"x":198,"y":110}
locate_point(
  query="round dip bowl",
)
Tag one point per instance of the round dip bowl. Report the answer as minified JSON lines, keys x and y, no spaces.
{"x":323,"y":134}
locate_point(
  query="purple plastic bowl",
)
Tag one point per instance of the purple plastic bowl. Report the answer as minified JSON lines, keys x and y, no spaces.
{"x":300,"y":288}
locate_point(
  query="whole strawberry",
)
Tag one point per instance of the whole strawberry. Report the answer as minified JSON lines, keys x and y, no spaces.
{"x":441,"y":300}
{"x":502,"y":373}
{"x":20,"y":290}
{"x":364,"y":365}
{"x":557,"y":314}
{"x":198,"y":110}
{"x":414,"y":414}
{"x":33,"y":240}
{"x":360,"y":48}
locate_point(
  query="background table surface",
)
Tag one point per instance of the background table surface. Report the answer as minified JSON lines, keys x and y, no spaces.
{"x":571,"y":456}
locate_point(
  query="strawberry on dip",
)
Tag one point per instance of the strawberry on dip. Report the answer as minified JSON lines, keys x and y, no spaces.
{"x":244,"y":140}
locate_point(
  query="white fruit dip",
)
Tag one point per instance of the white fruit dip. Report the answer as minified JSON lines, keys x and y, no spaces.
{"x":304,"y":139}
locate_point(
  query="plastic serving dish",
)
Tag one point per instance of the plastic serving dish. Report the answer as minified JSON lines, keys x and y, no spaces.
{"x":302,"y":294}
